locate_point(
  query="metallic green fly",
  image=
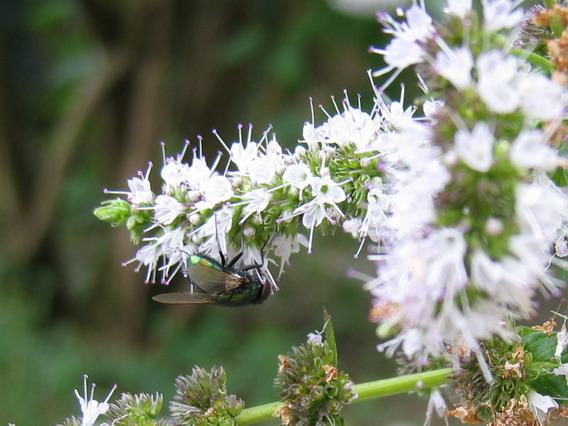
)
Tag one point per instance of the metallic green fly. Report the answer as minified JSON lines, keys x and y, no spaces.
{"x":221,"y":283}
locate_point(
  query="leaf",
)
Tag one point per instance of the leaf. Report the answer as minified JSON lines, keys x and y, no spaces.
{"x":330,"y":336}
{"x":551,"y":385}
{"x":541,"y":346}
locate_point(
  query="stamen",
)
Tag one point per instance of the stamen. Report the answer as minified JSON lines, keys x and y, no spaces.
{"x":184,"y":150}
{"x":163,"y":144}
{"x":216,"y":163}
{"x":312,"y":111}
{"x":240,"y":127}
{"x":214,"y":131}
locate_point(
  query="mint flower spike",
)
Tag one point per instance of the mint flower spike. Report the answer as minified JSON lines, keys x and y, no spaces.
{"x":475,"y":213}
{"x":202,"y":399}
{"x":140,"y":409}
{"x":313,"y":390}
{"x":340,"y":175}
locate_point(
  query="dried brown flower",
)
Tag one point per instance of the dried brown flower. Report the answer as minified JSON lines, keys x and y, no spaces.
{"x":547,"y":327}
{"x":467,"y":415}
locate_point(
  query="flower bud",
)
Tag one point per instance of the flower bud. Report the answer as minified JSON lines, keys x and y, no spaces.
{"x":116,"y":212}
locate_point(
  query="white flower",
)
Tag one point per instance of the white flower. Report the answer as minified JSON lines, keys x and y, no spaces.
{"x":431,"y":107}
{"x":140,"y":191}
{"x":326,"y":192}
{"x":562,"y":371}
{"x":476,"y":148}
{"x":297,"y":175}
{"x":352,"y":226}
{"x":174,"y":173}
{"x":435,"y":403}
{"x":499,"y":14}
{"x":213,"y":234}
{"x":284,"y":247}
{"x":412,"y":208}
{"x":401,"y":53}
{"x":459,"y":8}
{"x":455,"y":65}
{"x":418,"y":24}
{"x":255,"y":202}
{"x":197,"y":174}
{"x":401,"y":118}
{"x":561,"y":246}
{"x":312,"y":136}
{"x":171,"y":246}
{"x":216,"y":190}
{"x":541,"y":209}
{"x":147,"y":256}
{"x":405,"y":49}
{"x":495,"y":86}
{"x":167,"y":209}
{"x":243,"y":156}
{"x":315,"y":338}
{"x":274,"y":155}
{"x":485,"y":273}
{"x":375,"y":221}
{"x":561,"y":343}
{"x":419,"y":279}
{"x":531,"y":151}
{"x":541,"y":98}
{"x":353,"y":126}
{"x":90,"y":408}
{"x":540,"y":405}
{"x":261,"y":170}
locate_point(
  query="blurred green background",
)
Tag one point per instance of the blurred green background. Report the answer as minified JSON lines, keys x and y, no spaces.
{"x":88,"y":88}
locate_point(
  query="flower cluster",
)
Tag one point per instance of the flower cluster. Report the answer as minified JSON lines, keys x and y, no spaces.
{"x":313,"y":389}
{"x":265,"y":197}
{"x":140,"y":409}
{"x":530,"y":380}
{"x":201,"y":399}
{"x":476,"y":214}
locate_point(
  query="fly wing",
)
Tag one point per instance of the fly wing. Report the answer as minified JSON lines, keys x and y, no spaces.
{"x":212,"y":280}
{"x":184,"y":297}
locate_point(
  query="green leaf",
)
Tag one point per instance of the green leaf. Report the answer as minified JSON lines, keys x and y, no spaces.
{"x":541,"y":346}
{"x":560,"y":177}
{"x":551,"y":385}
{"x":330,"y":336}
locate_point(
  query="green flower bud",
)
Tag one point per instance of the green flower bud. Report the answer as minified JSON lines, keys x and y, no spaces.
{"x":116,"y":212}
{"x":201,"y":399}
{"x":312,"y":389}
{"x":140,"y":409}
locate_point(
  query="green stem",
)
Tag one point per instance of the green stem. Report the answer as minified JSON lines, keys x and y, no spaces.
{"x":549,"y":3}
{"x":531,"y":57}
{"x":365,"y":391}
{"x":402,"y":384}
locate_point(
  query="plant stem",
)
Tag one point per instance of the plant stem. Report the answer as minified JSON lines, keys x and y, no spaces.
{"x":257,"y":414}
{"x":365,"y":391}
{"x":402,"y":384}
{"x":549,"y":3}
